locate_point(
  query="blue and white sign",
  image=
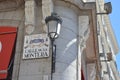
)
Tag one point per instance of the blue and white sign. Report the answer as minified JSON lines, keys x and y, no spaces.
{"x":36,"y":46}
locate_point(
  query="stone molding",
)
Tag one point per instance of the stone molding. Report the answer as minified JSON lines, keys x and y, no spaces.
{"x":79,"y":3}
{"x":84,"y":31}
{"x":47,"y":9}
{"x":30,"y":15}
{"x":7,"y":5}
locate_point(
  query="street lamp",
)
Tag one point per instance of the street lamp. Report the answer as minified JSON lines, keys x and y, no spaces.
{"x":53,"y":25}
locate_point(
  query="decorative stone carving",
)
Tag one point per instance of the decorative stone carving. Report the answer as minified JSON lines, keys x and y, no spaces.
{"x":29,"y":28}
{"x":84,"y":30}
{"x":47,"y":8}
{"x":30,"y":16}
{"x":91,"y":71}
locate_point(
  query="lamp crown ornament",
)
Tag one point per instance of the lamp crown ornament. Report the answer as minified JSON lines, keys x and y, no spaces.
{"x":54,"y":16}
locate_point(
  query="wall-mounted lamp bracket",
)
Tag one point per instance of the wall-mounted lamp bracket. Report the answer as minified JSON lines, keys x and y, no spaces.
{"x":107,"y":8}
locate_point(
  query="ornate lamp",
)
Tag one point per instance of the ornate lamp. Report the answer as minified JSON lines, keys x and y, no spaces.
{"x":54,"y":25}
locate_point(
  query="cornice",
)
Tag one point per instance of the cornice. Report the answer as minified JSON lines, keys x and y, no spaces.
{"x":7,"y":5}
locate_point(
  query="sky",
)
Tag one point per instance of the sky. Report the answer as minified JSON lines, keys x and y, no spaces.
{"x":115,"y":21}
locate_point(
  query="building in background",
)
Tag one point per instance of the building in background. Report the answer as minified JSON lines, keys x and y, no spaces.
{"x":108,"y":47}
{"x":85,"y":48}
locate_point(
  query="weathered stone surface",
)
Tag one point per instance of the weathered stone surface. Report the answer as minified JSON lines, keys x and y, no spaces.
{"x":6,"y":5}
{"x":66,"y":45}
{"x":47,"y":9}
{"x":32,"y":15}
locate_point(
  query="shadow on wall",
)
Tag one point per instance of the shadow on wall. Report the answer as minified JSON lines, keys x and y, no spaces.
{"x":66,"y":45}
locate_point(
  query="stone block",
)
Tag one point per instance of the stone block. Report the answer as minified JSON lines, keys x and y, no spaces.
{"x":31,"y":77}
{"x":15,"y":72}
{"x":1,"y":15}
{"x":8,"y":15}
{"x":66,"y":12}
{"x":18,"y":14}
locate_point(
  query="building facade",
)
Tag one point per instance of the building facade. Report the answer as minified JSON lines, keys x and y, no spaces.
{"x":108,"y":46}
{"x":85,"y":48}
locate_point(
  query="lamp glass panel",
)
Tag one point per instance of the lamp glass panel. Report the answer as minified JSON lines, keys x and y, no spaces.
{"x":52,"y":26}
{"x":58,"y":28}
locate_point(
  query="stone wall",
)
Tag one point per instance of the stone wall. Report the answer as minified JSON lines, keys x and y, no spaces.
{"x":66,"y":55}
{"x":29,"y":19}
